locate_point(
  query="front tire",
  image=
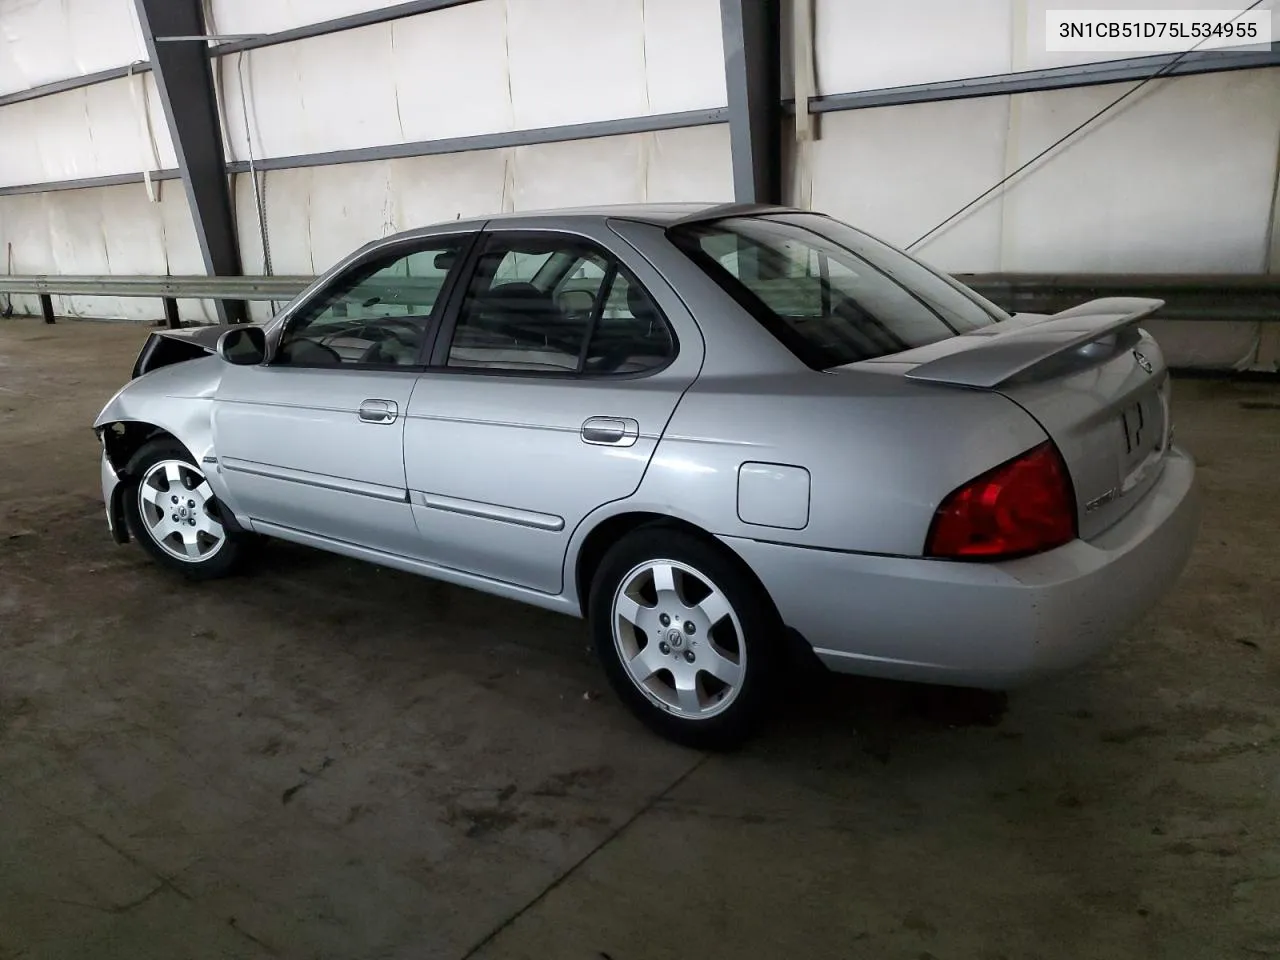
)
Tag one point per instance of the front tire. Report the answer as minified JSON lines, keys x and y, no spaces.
{"x":686,"y":636}
{"x":174,"y":516}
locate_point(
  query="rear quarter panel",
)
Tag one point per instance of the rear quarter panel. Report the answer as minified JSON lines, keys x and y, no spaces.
{"x":881,"y":454}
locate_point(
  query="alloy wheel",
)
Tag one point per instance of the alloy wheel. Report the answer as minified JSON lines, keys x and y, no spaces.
{"x":179,"y":510}
{"x":679,"y":639}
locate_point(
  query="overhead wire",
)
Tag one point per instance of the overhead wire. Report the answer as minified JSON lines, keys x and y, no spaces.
{"x":1161,"y":72}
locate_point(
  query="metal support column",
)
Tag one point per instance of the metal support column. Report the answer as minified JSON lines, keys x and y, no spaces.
{"x":752,"y":64}
{"x":184,"y":79}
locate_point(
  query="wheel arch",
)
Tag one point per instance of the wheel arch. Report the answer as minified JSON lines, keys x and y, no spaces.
{"x":122,"y":439}
{"x":610,"y":529}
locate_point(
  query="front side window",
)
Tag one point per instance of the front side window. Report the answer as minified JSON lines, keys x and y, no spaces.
{"x":379,"y":314}
{"x":557,"y":305}
{"x":831,"y":294}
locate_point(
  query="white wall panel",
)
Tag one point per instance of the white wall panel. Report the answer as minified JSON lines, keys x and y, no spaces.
{"x":684,"y":55}
{"x":868,"y":44}
{"x":486,"y":67}
{"x":318,"y":215}
{"x":276,"y":119}
{"x":1179,"y":181}
{"x":572,"y":62}
{"x":46,"y":40}
{"x":247,"y":233}
{"x":428,"y":190}
{"x":107,"y":230}
{"x":90,"y":132}
{"x":350,"y":205}
{"x":348,"y":90}
{"x":609,"y":170}
{"x":693,"y":164}
{"x":272,"y":16}
{"x":897,"y":171}
{"x":467,"y":45}
{"x":24,"y":236}
{"x":1176,"y":180}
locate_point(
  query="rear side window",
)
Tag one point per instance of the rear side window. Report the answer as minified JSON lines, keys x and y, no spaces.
{"x":557,"y":306}
{"x":831,"y":294}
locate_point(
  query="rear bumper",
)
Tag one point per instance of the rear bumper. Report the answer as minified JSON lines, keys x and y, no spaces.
{"x":989,"y":625}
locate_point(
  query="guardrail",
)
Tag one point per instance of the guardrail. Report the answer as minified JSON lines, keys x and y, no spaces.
{"x":168,"y":289}
{"x":1198,"y":297}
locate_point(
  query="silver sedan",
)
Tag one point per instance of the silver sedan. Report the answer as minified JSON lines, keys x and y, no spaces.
{"x":714,"y":432}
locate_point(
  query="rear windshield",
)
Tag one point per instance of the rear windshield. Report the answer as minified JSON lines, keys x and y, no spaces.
{"x":832,"y":294}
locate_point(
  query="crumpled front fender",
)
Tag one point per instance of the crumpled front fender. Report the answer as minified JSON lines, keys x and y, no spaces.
{"x":177,"y":400}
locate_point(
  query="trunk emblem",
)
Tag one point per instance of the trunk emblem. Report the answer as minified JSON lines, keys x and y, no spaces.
{"x":1143,"y":362}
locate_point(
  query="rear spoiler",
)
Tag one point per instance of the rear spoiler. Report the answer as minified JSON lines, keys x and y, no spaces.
{"x":1004,"y":354}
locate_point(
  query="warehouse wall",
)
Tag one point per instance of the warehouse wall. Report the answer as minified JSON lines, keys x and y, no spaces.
{"x":487,"y":67}
{"x":46,"y":40}
{"x":1178,"y":179}
{"x":316,"y":215}
{"x":483,"y":67}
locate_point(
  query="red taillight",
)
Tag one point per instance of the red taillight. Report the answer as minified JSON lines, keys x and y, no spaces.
{"x":1022,"y":507}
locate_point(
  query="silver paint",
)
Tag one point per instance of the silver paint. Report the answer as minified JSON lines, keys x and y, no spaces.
{"x":495,"y":482}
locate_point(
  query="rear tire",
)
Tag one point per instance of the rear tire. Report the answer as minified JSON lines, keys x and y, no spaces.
{"x":174,"y":516}
{"x":686,"y":636}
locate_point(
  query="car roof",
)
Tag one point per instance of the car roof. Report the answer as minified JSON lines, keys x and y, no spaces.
{"x":657,"y":214}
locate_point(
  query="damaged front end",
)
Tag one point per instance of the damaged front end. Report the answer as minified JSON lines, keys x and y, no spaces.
{"x":167,"y":347}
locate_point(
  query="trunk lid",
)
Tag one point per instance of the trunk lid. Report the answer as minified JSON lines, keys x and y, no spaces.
{"x":1095,"y":382}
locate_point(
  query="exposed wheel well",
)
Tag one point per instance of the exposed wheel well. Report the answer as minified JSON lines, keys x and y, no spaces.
{"x":124,"y":438}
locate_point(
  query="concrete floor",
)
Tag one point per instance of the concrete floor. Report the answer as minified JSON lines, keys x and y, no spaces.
{"x":332,"y":760}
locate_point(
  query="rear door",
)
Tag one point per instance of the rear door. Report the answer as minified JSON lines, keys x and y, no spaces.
{"x":544,"y":401}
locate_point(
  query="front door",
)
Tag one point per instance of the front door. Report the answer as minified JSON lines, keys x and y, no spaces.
{"x":312,"y":441}
{"x":545,"y":400}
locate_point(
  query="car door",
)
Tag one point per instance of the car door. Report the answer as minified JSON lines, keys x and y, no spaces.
{"x":312,"y":442}
{"x":551,"y":384}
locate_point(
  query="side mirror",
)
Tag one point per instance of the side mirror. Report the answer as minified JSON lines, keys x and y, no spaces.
{"x":243,"y":346}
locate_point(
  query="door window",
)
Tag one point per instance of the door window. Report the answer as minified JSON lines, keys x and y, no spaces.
{"x":379,"y":314}
{"x":557,"y":306}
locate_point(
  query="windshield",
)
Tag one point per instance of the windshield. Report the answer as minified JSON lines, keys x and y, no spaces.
{"x":832,"y":294}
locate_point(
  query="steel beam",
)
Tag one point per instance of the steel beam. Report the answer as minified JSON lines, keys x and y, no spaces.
{"x":490,"y":141}
{"x":184,"y":78}
{"x":752,"y":66}
{"x":114,"y":180}
{"x":72,"y":83}
{"x":356,"y":20}
{"x":1055,"y":78}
